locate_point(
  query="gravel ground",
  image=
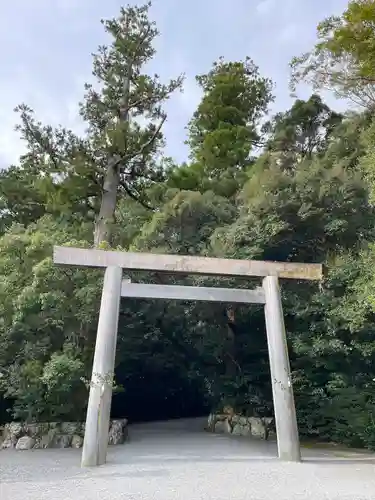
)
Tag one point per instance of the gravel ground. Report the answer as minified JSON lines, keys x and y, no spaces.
{"x":175,"y":460}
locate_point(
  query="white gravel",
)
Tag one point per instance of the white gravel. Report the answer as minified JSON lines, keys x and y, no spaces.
{"x":175,"y":460}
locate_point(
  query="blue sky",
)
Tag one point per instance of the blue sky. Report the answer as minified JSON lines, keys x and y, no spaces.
{"x":47,"y":46}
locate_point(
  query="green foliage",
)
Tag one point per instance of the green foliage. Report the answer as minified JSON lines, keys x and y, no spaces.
{"x":128,"y":95}
{"x":343,"y":58}
{"x":367,"y":160}
{"x":185,"y":223}
{"x":224,"y":129}
{"x":62,"y":173}
{"x":19,"y":201}
{"x":333,"y":346}
{"x":42,"y":393}
{"x":44,"y":311}
{"x":302,"y":131}
{"x":309,"y":215}
{"x":235,"y":98}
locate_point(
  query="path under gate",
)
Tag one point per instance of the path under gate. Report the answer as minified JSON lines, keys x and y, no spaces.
{"x":177,"y":460}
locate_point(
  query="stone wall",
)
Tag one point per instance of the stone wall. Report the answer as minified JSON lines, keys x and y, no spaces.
{"x":237,"y":425}
{"x":23,"y":436}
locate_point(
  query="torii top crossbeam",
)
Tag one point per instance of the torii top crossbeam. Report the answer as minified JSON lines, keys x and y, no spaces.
{"x":185,"y":264}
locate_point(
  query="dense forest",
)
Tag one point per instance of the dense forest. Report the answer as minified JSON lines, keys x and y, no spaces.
{"x":298,"y":186}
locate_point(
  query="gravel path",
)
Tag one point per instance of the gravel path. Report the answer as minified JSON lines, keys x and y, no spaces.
{"x":175,"y":460}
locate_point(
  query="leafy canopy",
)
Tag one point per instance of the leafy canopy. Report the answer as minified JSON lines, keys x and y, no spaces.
{"x":343,"y":59}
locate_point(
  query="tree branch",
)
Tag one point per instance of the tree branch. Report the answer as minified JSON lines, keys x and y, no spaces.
{"x":42,"y":142}
{"x":152,"y":139}
{"x":135,"y":197}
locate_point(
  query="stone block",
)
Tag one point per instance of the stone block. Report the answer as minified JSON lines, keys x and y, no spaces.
{"x":36,"y":429}
{"x":211,"y":422}
{"x":55,"y":434}
{"x":25,"y":443}
{"x":8,"y":443}
{"x":13,"y":431}
{"x":46,"y":440}
{"x":71,"y":428}
{"x":62,"y":441}
{"x":258,"y":428}
{"x":117,"y":432}
{"x":241,"y":430}
{"x":77,"y":441}
{"x":223,"y":427}
{"x":240,"y":425}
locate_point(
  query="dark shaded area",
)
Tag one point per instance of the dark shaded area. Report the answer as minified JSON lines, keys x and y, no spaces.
{"x":5,"y":407}
{"x":149,"y":396}
{"x":169,"y":379}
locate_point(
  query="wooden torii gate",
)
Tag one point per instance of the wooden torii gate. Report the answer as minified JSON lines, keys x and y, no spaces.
{"x":114,"y":287}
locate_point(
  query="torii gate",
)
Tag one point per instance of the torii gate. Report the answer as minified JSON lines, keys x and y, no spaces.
{"x":114,"y":287}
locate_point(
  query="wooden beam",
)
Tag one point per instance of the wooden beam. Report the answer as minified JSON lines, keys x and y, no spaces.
{"x":206,"y":294}
{"x":185,"y":264}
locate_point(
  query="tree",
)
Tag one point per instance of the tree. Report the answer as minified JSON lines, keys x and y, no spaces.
{"x":309,"y":215}
{"x":224,"y":129}
{"x":185,"y":223}
{"x":367,"y":140}
{"x":48,"y":320}
{"x":301,"y":132}
{"x":57,"y":168}
{"x":317,"y":213}
{"x":20,"y":202}
{"x":118,"y":154}
{"x":346,"y":145}
{"x":343,"y":59}
{"x":125,"y":149}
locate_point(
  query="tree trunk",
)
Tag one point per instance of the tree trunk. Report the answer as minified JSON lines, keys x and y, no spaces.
{"x":106,"y":218}
{"x":231,"y":366}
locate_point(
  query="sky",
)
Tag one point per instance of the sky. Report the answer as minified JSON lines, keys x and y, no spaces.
{"x":47,"y":46}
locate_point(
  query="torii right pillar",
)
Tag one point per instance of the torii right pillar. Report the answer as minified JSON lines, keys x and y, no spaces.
{"x":285,"y":412}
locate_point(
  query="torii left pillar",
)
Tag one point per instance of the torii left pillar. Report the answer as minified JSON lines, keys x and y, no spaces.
{"x":95,"y":442}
